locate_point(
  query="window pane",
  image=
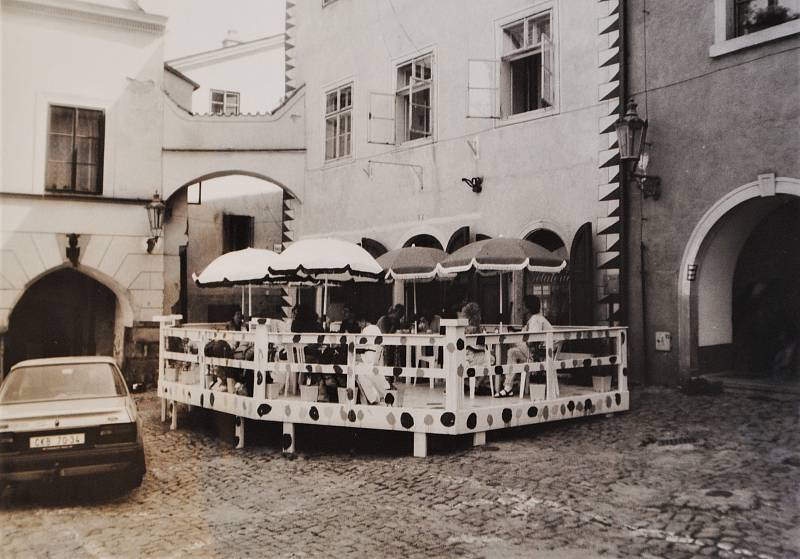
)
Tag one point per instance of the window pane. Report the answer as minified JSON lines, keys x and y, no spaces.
{"x":404,"y":76}
{"x":217,"y":97}
{"x":62,"y":120}
{"x":420,"y":114}
{"x":537,"y":27}
{"x":344,"y":134}
{"x":331,"y":103}
{"x":217,"y":108}
{"x":346,"y":97}
{"x":89,"y":123}
{"x":60,"y":148}
{"x":755,"y":15}
{"x":58,"y":176}
{"x":86,"y":150}
{"x":525,"y":84}
{"x":422,"y":68}
{"x":344,"y":122}
{"x":85,"y":178}
{"x":330,"y":138}
{"x":514,"y":36}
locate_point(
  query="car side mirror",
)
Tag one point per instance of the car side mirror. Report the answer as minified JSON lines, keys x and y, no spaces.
{"x":136,"y":387}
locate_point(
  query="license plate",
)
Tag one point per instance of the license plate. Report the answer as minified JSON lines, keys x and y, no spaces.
{"x":58,"y":440}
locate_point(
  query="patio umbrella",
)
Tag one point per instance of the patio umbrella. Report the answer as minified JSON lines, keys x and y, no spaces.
{"x":501,"y":255}
{"x":413,"y":264}
{"x":326,"y":260}
{"x":240,"y":267}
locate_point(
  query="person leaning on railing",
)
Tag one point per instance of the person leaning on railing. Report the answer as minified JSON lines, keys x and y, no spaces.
{"x":526,"y":353}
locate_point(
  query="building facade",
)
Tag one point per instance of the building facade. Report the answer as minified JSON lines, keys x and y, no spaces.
{"x":408,"y":104}
{"x":81,"y":155}
{"x":93,"y":125}
{"x":714,"y":260}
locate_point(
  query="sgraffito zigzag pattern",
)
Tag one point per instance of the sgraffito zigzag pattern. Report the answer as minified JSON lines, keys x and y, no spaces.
{"x":608,"y":26}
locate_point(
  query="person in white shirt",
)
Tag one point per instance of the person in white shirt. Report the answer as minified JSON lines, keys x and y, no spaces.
{"x":521,"y":353}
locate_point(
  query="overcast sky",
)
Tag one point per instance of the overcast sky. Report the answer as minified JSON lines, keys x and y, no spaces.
{"x":200,"y":25}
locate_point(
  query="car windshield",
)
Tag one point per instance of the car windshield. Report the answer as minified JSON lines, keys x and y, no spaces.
{"x":67,"y":381}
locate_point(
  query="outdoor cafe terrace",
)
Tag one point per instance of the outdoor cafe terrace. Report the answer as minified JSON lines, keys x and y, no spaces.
{"x":427,"y":383}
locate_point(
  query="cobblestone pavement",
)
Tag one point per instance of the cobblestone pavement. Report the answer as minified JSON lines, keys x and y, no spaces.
{"x":677,"y":476}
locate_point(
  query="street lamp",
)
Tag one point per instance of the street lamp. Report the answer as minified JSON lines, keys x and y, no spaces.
{"x":634,"y":152}
{"x":155,"y":215}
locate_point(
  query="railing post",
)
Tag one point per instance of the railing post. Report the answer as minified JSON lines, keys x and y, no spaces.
{"x":552,"y":377}
{"x":622,"y":360}
{"x":164,"y":322}
{"x":454,"y":357}
{"x":261,"y":358}
{"x":351,"y":369}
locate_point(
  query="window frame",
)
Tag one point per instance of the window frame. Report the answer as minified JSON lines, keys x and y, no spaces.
{"x":505,"y":57}
{"x":225,"y":95}
{"x":404,"y":99}
{"x":725,"y":40}
{"x":337,"y":114}
{"x":99,"y":150}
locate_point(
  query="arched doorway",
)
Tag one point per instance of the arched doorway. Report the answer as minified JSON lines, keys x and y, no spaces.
{"x":63,"y":313}
{"x":738,"y":274}
{"x":552,"y":289}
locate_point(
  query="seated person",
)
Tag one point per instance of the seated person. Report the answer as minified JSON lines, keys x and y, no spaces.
{"x":390,"y":323}
{"x":522,"y":353}
{"x":477,"y":354}
{"x":349,"y":321}
{"x":305,"y":321}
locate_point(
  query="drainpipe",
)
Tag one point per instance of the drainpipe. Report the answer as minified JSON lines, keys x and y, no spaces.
{"x":625,"y":200}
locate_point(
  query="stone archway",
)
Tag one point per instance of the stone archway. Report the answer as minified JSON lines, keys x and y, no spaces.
{"x":706,"y":274}
{"x":215,"y":213}
{"x":64,"y":312}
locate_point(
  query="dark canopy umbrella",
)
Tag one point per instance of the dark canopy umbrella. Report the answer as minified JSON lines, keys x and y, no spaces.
{"x":501,"y":255}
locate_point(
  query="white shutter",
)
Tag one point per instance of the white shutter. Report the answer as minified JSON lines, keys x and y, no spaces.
{"x":548,"y":89}
{"x":482,"y":89}
{"x":381,"y":127}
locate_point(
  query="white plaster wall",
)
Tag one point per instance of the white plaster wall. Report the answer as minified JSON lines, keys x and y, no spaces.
{"x":535,"y":169}
{"x":257,"y":76}
{"x":47,"y":59}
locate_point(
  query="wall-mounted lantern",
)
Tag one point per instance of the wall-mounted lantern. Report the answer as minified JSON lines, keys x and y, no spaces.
{"x":634,"y":151}
{"x":155,"y":215}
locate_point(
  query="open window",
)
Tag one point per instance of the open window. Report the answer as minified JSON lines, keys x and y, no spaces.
{"x":527,"y":80}
{"x":414,"y":99}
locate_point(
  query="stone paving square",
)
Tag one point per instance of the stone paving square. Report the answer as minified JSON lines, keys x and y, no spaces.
{"x":676,"y":477}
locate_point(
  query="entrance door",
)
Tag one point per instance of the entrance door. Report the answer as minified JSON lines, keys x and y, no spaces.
{"x":64,"y":313}
{"x":766,"y":297}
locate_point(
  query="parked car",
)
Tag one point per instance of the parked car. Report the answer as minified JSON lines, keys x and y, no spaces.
{"x":69,"y":417}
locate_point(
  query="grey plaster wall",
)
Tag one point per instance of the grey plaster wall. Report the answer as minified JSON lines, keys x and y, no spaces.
{"x":715,"y":124}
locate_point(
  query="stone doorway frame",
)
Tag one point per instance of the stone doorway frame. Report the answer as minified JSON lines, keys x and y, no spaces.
{"x":767,"y":185}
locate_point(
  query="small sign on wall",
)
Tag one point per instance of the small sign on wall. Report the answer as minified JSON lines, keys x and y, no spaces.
{"x":663,"y":341}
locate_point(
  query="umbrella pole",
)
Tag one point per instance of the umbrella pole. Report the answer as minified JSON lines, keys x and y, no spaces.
{"x":415,"y":299}
{"x":501,"y":300}
{"x":325,"y":301}
{"x":250,"y":300}
{"x":242,"y":305}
